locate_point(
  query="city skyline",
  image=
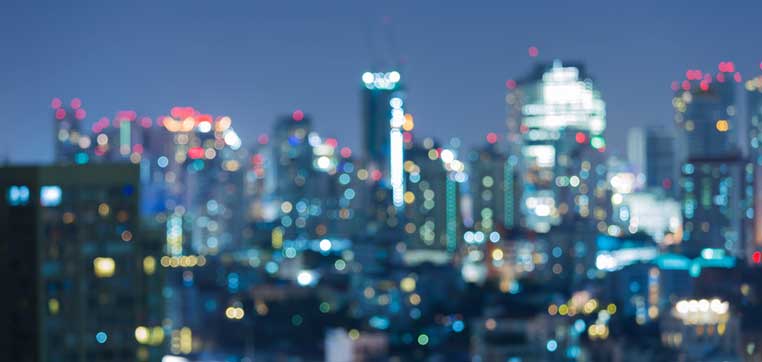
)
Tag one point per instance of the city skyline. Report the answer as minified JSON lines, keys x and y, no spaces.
{"x":233,"y":67}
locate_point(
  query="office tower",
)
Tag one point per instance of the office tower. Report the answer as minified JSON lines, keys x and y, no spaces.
{"x":754,"y":133}
{"x":70,"y":140}
{"x":383,"y":118}
{"x":651,"y":151}
{"x":554,"y":112}
{"x":714,"y":174}
{"x":705,"y":113}
{"x":491,"y":181}
{"x":85,"y":284}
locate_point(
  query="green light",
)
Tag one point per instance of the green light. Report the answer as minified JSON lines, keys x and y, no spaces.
{"x":423,"y":339}
{"x":597,"y":142}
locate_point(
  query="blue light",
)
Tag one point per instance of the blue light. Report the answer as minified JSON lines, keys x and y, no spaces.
{"x":579,"y":326}
{"x":552,"y":345}
{"x":101,"y":337}
{"x":458,"y":326}
{"x":162,"y":161}
{"x":50,"y":196}
{"x":271,"y":267}
{"x":81,"y":158}
{"x":379,"y":322}
{"x":18,"y":195}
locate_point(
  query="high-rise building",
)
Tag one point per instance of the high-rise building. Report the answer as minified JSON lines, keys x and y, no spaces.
{"x":86,"y":282}
{"x":493,"y":194}
{"x":754,"y":133}
{"x":383,"y":118}
{"x":716,"y":180}
{"x":651,"y":151}
{"x":554,"y":112}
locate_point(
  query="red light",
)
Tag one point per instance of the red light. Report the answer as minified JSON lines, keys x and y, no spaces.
{"x":737,"y":77}
{"x":298,"y":115}
{"x":76,"y":103}
{"x":138,"y":148}
{"x":704,"y":86}
{"x":96,"y":128}
{"x":721,"y":77}
{"x":756,"y":257}
{"x":60,"y":114}
{"x":510,"y":84}
{"x":263,"y":139}
{"x":686,"y":85}
{"x":375,"y":175}
{"x":56,"y":102}
{"x":580,"y":137}
{"x":203,"y":118}
{"x":407,"y":137}
{"x":492,"y":137}
{"x":346,"y":152}
{"x":331,"y":142}
{"x":523,"y":128}
{"x":146,"y":122}
{"x":727,"y":67}
{"x":533,"y":51}
{"x":196,"y":152}
{"x":126,"y":116}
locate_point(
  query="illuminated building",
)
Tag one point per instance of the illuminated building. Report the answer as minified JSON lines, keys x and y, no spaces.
{"x":702,"y":329}
{"x":754,"y":133}
{"x":492,"y":184}
{"x":86,"y":277}
{"x":70,"y":141}
{"x":555,"y":114}
{"x":383,"y":118}
{"x":651,"y":151}
{"x":705,"y":112}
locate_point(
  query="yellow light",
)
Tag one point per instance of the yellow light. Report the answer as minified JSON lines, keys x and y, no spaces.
{"x":408,"y":125}
{"x":409,"y":197}
{"x":104,"y":267}
{"x":186,"y":340}
{"x":354,"y":334}
{"x":563,"y":309}
{"x":407,"y":284}
{"x":611,"y":308}
{"x":53,"y":306}
{"x":497,"y":254}
{"x":722,"y":125}
{"x":142,"y":335}
{"x":415,"y":299}
{"x":149,"y":265}
{"x":103,"y":209}
{"x":157,"y":336}
{"x":277,"y":238}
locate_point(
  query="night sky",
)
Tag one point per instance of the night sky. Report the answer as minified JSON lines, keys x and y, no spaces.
{"x":256,"y":60}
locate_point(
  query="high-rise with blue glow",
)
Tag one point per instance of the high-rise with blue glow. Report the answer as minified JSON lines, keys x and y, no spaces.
{"x":383,"y":118}
{"x":554,"y":113}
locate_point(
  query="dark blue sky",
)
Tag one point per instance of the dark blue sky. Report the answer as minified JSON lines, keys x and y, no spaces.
{"x":254,"y":60}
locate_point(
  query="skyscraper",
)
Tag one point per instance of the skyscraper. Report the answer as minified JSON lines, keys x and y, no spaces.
{"x":383,"y":118}
{"x":754,"y":136}
{"x":651,"y":150}
{"x":86,"y":285}
{"x":554,"y":112}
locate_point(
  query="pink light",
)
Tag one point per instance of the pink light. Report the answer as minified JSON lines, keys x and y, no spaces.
{"x":137,"y":148}
{"x":332,"y":142}
{"x":263,"y":139}
{"x":80,"y":114}
{"x":760,"y":65}
{"x":704,"y":86}
{"x":407,"y":137}
{"x":510,"y":84}
{"x":580,"y":137}
{"x":160,"y":121}
{"x":346,"y":152}
{"x":491,"y":137}
{"x":146,"y":122}
{"x":257,"y":159}
{"x":727,"y":67}
{"x":666,"y":183}
{"x":196,"y":152}
{"x":204,"y":118}
{"x":96,"y":128}
{"x":103,"y":122}
{"x":56,"y":102}
{"x":182,"y":112}
{"x":675,"y":86}
{"x":737,"y":77}
{"x":76,"y":103}
{"x":533,"y":51}
{"x":721,"y":77}
{"x":298,"y":115}
{"x":60,"y":114}
{"x":686,"y":85}
{"x":126,"y":115}
{"x":375,"y":175}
